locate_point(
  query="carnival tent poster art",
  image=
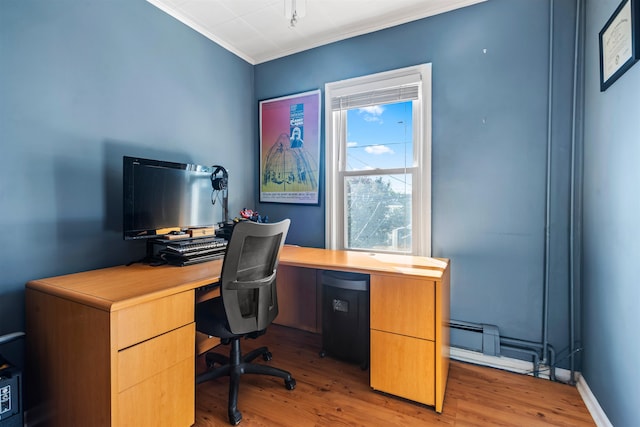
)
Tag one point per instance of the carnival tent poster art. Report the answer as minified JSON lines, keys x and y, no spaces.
{"x":290,"y":149}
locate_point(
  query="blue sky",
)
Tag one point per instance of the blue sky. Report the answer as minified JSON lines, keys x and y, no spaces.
{"x":379,"y":136}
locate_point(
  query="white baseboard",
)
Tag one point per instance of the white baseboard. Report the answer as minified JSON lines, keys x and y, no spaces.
{"x":524,"y":367}
{"x":507,"y":364}
{"x":596,"y":411}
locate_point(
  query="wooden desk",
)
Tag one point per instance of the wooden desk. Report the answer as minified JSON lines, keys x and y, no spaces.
{"x":115,"y":346}
{"x":409,"y":314}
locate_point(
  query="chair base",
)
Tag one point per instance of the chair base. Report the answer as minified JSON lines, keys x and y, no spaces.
{"x":236,"y":365}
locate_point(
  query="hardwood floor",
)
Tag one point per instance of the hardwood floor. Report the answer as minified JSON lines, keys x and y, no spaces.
{"x":334,"y":393}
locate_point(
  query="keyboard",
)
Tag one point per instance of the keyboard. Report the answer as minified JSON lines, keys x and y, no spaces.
{"x":193,"y":246}
{"x":183,"y":253}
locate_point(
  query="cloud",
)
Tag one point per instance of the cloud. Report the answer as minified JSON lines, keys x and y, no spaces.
{"x":378,"y":149}
{"x":374,"y":110}
{"x":373,"y":113}
{"x":352,"y":144}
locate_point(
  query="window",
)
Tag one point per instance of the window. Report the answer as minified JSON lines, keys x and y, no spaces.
{"x":378,"y":155}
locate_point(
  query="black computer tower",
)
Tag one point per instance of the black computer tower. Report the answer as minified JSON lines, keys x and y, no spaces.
{"x":345,"y":316}
{"x":11,"y":414}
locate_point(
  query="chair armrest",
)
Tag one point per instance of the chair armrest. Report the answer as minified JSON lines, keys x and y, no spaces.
{"x":10,"y":337}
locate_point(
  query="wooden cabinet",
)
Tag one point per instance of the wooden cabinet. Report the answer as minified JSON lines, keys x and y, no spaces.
{"x":113,"y":347}
{"x":403,"y":324}
{"x":130,"y":367}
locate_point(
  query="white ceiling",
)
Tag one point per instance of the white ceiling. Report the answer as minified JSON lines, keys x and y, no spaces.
{"x":258,"y":31}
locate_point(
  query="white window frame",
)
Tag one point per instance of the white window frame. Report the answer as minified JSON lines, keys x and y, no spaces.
{"x":335,"y":153}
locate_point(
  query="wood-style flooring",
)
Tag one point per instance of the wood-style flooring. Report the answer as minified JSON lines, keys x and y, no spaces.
{"x":334,"y":393}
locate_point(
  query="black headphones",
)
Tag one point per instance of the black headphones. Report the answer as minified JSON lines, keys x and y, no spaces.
{"x":219,"y":183}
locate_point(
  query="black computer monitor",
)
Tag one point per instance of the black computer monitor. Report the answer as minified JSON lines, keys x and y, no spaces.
{"x":160,"y":195}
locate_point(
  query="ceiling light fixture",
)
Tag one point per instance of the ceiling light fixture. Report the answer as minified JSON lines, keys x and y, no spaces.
{"x":294,"y":10}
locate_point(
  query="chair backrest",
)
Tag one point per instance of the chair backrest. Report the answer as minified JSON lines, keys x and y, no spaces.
{"x":248,"y":278}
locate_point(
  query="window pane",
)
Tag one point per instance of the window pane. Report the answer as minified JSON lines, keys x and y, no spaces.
{"x":378,"y":211}
{"x":380,"y":137}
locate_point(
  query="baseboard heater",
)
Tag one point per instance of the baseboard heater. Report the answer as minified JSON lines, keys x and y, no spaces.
{"x":485,"y":339}
{"x":482,"y":338}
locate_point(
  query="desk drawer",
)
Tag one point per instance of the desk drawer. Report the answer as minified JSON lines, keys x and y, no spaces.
{"x":147,"y":320}
{"x":403,"y":366}
{"x":164,"y":399}
{"x":403,"y":306}
{"x":141,"y":362}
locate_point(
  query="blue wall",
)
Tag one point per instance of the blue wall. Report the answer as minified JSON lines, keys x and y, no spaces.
{"x":83,"y":83}
{"x":490,"y":117}
{"x":611,"y":231}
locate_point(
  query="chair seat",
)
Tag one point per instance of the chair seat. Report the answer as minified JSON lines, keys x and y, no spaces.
{"x":211,"y":319}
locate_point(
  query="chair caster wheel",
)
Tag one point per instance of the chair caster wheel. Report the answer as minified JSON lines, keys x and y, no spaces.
{"x":235,"y":418}
{"x":267,"y":356}
{"x":290,"y":384}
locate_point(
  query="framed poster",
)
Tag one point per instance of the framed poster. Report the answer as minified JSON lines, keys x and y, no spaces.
{"x":619,"y":43}
{"x":290,"y":149}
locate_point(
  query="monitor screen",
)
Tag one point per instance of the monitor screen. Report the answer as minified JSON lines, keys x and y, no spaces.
{"x":160,"y":195}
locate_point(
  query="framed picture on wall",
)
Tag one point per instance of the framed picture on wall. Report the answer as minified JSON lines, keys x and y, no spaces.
{"x":619,"y":42}
{"x":290,"y":149}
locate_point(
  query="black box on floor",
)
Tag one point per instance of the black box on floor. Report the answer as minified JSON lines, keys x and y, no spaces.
{"x":10,"y":396}
{"x":345,"y":316}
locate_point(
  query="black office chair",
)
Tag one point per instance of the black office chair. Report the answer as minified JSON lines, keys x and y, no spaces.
{"x":247,"y":305}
